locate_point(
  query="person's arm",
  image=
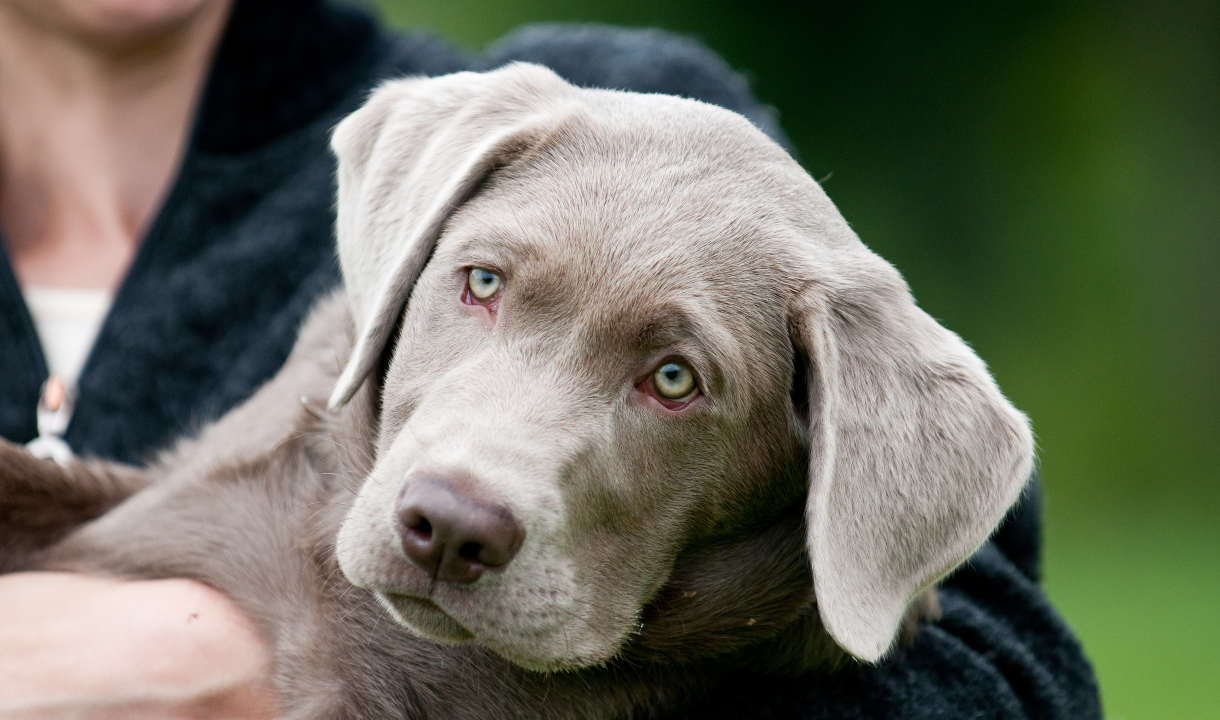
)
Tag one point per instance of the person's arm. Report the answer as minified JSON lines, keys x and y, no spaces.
{"x":88,"y":647}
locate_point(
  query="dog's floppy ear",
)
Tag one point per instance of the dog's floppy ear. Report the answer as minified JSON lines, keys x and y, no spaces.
{"x":411,"y":155}
{"x":914,"y":457}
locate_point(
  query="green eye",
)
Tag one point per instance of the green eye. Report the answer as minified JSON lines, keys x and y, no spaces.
{"x":483,"y":283}
{"x":674,"y":380}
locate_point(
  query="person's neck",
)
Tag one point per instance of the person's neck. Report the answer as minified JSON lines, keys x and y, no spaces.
{"x":91,"y":134}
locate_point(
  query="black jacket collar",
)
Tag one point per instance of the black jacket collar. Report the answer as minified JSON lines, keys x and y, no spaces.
{"x":317,"y":50}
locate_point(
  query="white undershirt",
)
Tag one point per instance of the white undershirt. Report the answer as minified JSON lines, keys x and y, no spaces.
{"x":67,"y":320}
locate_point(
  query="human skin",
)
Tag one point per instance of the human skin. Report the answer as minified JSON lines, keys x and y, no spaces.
{"x":78,"y":646}
{"x":98,"y":100}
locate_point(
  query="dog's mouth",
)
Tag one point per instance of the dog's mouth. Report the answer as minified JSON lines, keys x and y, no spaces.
{"x":429,"y":620}
{"x":424,"y":617}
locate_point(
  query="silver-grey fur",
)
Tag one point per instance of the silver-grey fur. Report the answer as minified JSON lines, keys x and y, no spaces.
{"x":844,"y":453}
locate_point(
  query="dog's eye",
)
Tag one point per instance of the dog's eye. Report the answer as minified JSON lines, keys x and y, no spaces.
{"x":483,"y":284}
{"x":674,"y":380}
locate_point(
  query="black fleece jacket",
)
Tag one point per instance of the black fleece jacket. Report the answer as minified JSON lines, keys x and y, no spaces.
{"x":243,"y":245}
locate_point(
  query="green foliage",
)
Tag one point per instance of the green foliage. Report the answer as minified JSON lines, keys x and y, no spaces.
{"x":1047,"y":177}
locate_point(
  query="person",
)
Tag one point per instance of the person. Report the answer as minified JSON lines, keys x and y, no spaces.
{"x":166,"y":210}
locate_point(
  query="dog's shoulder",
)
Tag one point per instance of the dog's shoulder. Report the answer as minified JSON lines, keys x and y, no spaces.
{"x":291,"y":402}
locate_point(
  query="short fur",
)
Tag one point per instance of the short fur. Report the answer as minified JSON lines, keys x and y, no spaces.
{"x":846,"y":451}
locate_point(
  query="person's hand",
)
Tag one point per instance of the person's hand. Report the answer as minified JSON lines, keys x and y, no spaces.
{"x":87,"y":647}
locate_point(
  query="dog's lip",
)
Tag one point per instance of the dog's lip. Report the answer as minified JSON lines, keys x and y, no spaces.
{"x":413,"y":600}
{"x":417,"y":611}
{"x":427,"y":618}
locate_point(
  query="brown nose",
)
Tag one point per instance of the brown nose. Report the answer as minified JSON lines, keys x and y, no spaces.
{"x":452,"y":535}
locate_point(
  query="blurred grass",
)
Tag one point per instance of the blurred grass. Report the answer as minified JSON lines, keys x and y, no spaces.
{"x":1047,"y":177}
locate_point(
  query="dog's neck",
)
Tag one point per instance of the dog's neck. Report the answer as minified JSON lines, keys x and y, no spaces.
{"x":740,"y":600}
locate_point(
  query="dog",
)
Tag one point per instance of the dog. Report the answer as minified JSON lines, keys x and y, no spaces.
{"x":611,"y":403}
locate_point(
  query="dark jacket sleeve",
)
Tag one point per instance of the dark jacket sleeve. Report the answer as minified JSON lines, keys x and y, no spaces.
{"x":1000,"y":650}
{"x":650,"y":61}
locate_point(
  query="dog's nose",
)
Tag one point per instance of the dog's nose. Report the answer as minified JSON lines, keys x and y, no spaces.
{"x":452,"y":535}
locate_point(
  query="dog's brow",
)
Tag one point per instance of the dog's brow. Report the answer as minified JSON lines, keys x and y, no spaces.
{"x":663,"y":325}
{"x":505,"y":247}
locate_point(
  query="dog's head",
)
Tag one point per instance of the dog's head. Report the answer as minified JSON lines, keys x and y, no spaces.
{"x":634,"y":326}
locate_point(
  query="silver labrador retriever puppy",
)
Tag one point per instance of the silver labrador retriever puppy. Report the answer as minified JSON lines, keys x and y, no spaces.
{"x":617,"y":403}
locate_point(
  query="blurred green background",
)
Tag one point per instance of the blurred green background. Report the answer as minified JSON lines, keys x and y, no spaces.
{"x":1047,"y":177}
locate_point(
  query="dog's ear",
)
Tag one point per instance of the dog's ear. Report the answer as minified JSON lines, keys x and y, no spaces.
{"x":412,"y":154}
{"x":914,"y":456}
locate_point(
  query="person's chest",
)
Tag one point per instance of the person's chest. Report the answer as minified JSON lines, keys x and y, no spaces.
{"x":208,"y":309}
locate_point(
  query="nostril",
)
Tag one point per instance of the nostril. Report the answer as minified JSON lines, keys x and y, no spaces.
{"x":419,"y":538}
{"x":421,"y":528}
{"x":470,"y":552}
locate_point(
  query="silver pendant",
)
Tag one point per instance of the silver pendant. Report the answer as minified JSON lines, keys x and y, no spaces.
{"x":54,"y":412}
